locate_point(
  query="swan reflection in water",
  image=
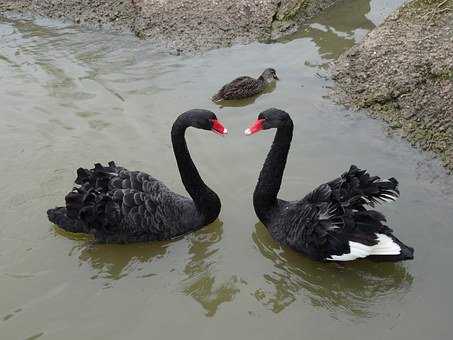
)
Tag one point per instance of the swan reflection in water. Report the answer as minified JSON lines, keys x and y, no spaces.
{"x":202,"y":282}
{"x":353,"y":288}
{"x":199,"y":280}
{"x":115,"y":261}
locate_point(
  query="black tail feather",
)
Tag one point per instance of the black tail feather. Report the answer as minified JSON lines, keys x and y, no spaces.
{"x":93,"y":208}
{"x":99,"y":177}
{"x":59,"y":217}
{"x":89,"y":207}
{"x":362,"y":189}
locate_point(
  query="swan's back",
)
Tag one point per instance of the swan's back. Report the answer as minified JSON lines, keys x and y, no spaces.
{"x":333,"y":221}
{"x":121,"y":206}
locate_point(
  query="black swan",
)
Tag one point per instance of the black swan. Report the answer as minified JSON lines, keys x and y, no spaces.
{"x":244,"y":87}
{"x":332,"y":222}
{"x":121,"y":206}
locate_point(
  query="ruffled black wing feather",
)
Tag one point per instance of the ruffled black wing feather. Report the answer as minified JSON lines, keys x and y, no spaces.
{"x":325,"y":220}
{"x":119,"y":206}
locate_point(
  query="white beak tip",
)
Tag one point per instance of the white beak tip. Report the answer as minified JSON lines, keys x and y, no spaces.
{"x":248,"y":132}
{"x":225,"y":131}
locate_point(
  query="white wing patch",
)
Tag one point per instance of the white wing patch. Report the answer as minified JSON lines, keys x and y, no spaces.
{"x":385,"y":246}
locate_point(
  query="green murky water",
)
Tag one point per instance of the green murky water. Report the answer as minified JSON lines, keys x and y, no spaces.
{"x":72,"y":97}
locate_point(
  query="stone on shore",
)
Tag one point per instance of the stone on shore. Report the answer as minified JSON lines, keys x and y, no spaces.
{"x":183,"y":25}
{"x":402,"y":72}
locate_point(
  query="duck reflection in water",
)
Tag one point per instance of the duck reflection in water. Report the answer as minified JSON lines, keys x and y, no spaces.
{"x":354,"y":288}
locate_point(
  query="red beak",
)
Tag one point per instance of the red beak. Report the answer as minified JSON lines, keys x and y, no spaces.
{"x":255,"y":127}
{"x":218,"y":128}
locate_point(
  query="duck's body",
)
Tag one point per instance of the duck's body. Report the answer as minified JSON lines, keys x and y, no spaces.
{"x":121,"y":206}
{"x":332,"y":223}
{"x":245,"y":87}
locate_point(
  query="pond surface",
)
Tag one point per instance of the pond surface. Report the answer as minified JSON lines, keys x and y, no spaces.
{"x":73,"y":97}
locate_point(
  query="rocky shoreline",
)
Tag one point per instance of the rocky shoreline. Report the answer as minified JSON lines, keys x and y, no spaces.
{"x":402,"y":72}
{"x":186,"y":26}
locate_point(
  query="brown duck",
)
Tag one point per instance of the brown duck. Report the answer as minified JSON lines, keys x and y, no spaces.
{"x":244,"y":87}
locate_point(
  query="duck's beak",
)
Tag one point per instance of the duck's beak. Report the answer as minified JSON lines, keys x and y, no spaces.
{"x":255,"y":127}
{"x":218,"y":128}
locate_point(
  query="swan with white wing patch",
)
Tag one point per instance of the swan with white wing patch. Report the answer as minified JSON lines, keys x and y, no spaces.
{"x":338,"y":220}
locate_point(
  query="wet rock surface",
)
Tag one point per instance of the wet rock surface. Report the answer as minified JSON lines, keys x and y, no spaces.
{"x":403,"y":72}
{"x":183,"y":25}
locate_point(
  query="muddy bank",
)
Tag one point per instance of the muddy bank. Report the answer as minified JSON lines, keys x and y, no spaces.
{"x":402,"y":72}
{"x":183,"y":25}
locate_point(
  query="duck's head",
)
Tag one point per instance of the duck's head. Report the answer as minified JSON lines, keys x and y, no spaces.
{"x":269,"y":119}
{"x":269,"y":75}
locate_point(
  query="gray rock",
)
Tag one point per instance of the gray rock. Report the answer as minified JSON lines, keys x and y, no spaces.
{"x":408,"y":63}
{"x":183,"y":25}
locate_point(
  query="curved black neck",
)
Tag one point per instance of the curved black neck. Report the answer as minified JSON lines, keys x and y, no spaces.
{"x":206,"y":201}
{"x":270,"y":179}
